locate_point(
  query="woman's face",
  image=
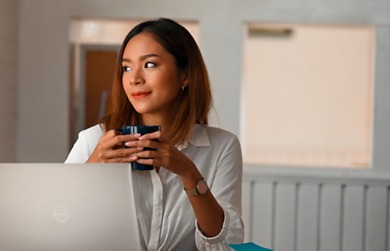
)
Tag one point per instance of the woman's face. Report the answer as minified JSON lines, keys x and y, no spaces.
{"x":150,"y":77}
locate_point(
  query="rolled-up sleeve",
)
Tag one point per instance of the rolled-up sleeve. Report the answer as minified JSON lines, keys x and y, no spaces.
{"x":226,"y":188}
{"x":232,"y":232}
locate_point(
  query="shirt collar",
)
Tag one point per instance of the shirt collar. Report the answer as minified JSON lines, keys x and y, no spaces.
{"x":198,"y":138}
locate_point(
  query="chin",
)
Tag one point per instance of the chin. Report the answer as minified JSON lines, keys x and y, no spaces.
{"x":142,"y":110}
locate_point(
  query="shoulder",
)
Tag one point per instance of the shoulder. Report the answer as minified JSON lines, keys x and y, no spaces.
{"x":95,"y":131}
{"x":215,"y":131}
{"x":219,"y":132}
{"x":204,"y":134}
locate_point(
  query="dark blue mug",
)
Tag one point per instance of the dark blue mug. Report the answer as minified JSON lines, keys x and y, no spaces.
{"x":141,"y":129}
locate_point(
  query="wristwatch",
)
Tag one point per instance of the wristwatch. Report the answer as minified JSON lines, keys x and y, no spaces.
{"x":200,"y":189}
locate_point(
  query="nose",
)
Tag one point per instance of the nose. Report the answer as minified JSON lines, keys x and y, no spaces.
{"x":136,"y":78}
{"x":136,"y":81}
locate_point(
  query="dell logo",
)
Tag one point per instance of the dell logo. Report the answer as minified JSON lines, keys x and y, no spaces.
{"x":60,"y":214}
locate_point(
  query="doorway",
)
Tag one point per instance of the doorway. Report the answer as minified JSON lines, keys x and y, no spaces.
{"x":92,"y":91}
{"x":99,"y":74}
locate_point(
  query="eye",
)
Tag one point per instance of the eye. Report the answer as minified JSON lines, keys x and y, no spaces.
{"x":126,"y":68}
{"x":149,"y":65}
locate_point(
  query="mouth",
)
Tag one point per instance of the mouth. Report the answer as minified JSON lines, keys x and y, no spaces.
{"x":139,"y":95}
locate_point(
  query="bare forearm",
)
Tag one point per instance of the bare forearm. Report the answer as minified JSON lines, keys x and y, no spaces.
{"x":208,"y":212}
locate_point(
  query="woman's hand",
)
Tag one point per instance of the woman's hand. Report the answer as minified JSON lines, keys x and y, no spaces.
{"x":111,"y":148}
{"x":166,"y":154}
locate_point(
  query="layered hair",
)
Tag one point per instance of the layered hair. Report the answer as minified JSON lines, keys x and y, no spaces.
{"x":195,"y":100}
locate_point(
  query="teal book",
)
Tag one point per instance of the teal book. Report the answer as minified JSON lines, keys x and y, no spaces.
{"x":249,"y":246}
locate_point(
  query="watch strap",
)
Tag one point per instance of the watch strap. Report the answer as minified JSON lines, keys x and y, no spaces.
{"x":194,"y":191}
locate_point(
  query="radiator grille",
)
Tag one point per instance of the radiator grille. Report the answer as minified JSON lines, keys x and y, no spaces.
{"x":316,"y":210}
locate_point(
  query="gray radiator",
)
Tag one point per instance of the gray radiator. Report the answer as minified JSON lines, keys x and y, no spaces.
{"x":289,"y":209}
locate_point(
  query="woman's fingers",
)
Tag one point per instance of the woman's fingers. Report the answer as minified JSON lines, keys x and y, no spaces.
{"x":120,"y":153}
{"x":152,"y":136}
{"x":111,"y":148}
{"x":128,"y":159}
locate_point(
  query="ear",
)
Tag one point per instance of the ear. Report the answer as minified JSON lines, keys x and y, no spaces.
{"x":184,"y":78}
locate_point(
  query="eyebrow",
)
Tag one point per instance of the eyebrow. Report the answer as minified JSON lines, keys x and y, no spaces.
{"x":141,"y":58}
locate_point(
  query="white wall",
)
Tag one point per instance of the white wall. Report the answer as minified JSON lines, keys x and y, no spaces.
{"x":8,"y":79}
{"x":308,"y":95}
{"x":44,"y":56}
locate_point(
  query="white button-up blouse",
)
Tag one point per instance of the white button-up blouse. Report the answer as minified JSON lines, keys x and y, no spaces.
{"x":166,"y":219}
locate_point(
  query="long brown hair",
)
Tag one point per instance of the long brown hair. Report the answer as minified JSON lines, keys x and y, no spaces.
{"x":194,"y":102}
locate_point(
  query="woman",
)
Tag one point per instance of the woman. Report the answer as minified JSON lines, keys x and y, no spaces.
{"x":192,"y":200}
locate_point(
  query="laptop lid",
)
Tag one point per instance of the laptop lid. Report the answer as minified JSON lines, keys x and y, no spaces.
{"x":67,"y":207}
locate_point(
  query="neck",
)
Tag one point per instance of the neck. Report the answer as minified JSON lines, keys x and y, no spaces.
{"x":162,"y":121}
{"x":163,"y":118}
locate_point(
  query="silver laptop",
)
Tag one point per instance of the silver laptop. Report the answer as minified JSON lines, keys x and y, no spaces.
{"x":67,"y":207}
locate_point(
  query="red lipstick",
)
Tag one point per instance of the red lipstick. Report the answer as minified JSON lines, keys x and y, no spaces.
{"x":138,"y":95}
